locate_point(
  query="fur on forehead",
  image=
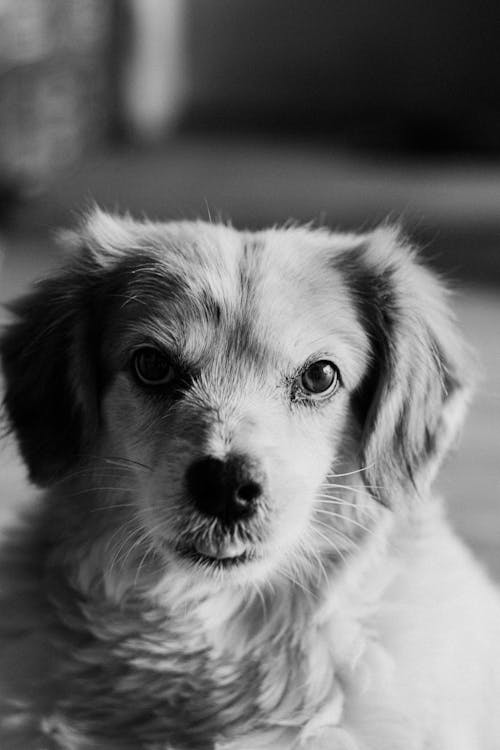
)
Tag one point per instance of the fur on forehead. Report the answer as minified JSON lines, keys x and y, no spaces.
{"x":331,"y":278}
{"x":103,"y":240}
{"x":297,"y":255}
{"x":275,"y":276}
{"x":106,"y":238}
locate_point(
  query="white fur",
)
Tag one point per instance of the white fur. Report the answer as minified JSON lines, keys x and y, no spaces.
{"x":362,"y":623}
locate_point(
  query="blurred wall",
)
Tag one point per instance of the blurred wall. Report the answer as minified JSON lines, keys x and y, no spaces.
{"x":54,"y":83}
{"x":410,"y":71}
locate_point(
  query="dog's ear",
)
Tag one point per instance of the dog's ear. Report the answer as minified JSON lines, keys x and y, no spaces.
{"x":48,"y":376}
{"x":412,"y":399}
{"x":49,"y":354}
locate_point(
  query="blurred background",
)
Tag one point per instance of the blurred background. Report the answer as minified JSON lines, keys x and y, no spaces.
{"x":343,"y":113}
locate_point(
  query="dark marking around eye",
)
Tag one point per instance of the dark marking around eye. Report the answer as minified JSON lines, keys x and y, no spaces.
{"x":376,"y":304}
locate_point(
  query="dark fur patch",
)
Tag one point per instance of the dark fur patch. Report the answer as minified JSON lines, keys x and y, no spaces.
{"x":52,"y":355}
{"x":40,"y":398}
{"x":376,"y":305}
{"x":414,"y":365}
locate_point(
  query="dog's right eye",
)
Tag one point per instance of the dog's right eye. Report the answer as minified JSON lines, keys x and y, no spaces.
{"x":152,"y":367}
{"x":320,"y":378}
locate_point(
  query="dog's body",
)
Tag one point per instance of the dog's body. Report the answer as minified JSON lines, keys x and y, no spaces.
{"x":239,"y":547}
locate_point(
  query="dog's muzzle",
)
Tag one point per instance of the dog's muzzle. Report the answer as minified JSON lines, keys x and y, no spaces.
{"x":227,"y":494}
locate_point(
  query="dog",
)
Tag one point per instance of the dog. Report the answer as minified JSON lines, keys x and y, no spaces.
{"x":237,"y":544}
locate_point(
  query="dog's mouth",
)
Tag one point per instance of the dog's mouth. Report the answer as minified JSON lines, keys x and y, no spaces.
{"x":218,"y":554}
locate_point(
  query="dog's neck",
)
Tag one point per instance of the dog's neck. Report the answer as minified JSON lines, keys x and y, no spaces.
{"x":251,"y":653}
{"x":258,"y":651}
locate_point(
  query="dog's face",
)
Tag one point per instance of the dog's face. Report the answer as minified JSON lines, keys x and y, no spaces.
{"x":230,"y":364}
{"x":245,"y":401}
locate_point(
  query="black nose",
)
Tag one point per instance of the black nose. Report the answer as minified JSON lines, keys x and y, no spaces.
{"x":228,"y":489}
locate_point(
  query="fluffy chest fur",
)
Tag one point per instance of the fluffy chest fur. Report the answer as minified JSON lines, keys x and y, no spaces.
{"x":206,"y":669}
{"x":197,"y":667}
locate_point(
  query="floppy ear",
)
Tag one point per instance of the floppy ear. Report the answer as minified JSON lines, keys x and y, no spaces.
{"x":50,"y":354}
{"x":412,"y":399}
{"x":48,"y":377}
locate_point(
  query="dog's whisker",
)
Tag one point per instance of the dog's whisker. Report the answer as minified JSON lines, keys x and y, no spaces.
{"x":358,"y":490}
{"x":350,"y":473}
{"x":335,"y":530}
{"x":311,"y":552}
{"x":260,"y":595}
{"x":161,"y":507}
{"x":102,"y":462}
{"x":299,"y":584}
{"x":120,"y":528}
{"x":345,"y":518}
{"x":347,"y":503}
{"x":133,"y":533}
{"x":298,"y":572}
{"x":126,"y":463}
{"x":115,"y":556}
{"x":339,"y":500}
{"x":336,"y":501}
{"x":112,"y":507}
{"x":331,"y":543}
{"x":149,"y":551}
{"x":368,"y":492}
{"x":166,"y":522}
{"x":91,"y":473}
{"x":134,"y":546}
{"x":362,"y":510}
{"x":105,"y":488}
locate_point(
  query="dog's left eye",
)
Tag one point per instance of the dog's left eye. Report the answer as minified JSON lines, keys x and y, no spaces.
{"x":152,"y":367}
{"x":320,"y":378}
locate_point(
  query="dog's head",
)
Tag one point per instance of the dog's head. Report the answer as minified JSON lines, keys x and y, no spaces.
{"x":236,"y":402}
